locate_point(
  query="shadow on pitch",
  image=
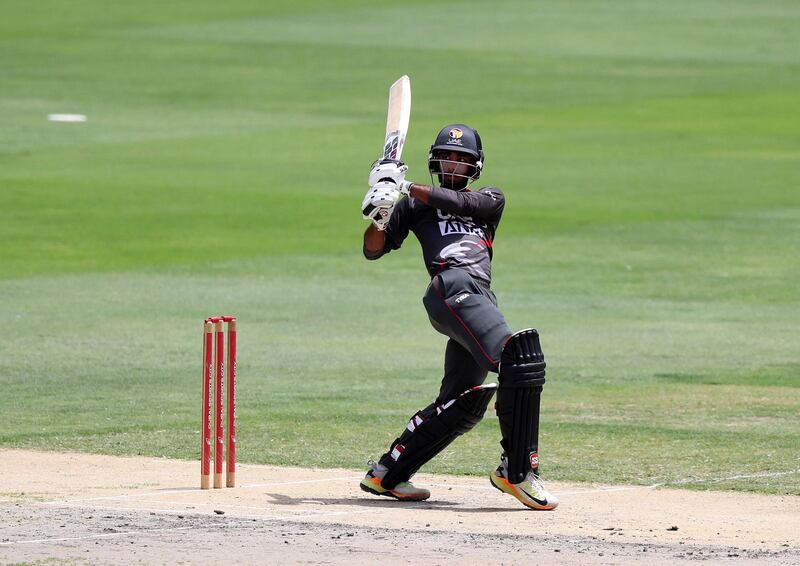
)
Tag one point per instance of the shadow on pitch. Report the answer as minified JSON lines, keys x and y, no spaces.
{"x":377,"y":502}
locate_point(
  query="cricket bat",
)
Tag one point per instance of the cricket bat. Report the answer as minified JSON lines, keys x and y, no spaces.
{"x":397,"y":118}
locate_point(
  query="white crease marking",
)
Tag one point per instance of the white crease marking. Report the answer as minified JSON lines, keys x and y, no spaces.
{"x":608,"y":489}
{"x":633,"y":487}
{"x":352,"y":478}
{"x":578,"y":492}
{"x":196,"y":490}
{"x":729,"y":478}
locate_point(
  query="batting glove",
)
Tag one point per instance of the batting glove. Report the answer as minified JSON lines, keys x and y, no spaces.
{"x":379,"y":203}
{"x":387,"y":170}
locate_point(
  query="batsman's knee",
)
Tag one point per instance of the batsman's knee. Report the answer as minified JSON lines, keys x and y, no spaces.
{"x":522,"y":361}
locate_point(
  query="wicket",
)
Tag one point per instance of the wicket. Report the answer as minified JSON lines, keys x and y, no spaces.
{"x":213,"y":391}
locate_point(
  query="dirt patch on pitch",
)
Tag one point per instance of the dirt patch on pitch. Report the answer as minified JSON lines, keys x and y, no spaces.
{"x":111,"y":510}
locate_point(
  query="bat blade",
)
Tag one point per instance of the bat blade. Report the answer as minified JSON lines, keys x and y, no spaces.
{"x":397,"y":118}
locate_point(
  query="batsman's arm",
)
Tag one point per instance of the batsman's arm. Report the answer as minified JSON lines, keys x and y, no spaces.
{"x":486,"y":203}
{"x":374,"y":242}
{"x":378,"y":243}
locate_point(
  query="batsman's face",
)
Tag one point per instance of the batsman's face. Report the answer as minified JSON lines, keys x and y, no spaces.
{"x":455,"y":167}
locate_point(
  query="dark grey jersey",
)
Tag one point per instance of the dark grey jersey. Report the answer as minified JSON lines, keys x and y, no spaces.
{"x":455,"y":229}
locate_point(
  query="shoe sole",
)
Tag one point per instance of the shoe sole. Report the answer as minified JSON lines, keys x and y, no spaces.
{"x":505,"y":486}
{"x":388,"y":493}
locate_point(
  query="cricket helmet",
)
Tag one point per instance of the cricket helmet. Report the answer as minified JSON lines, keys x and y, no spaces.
{"x":462,"y":139}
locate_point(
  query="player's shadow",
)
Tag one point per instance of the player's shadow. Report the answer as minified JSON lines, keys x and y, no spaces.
{"x":374,"y":503}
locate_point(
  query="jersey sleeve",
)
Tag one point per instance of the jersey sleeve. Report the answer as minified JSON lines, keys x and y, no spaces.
{"x":396,"y":230}
{"x":486,"y":203}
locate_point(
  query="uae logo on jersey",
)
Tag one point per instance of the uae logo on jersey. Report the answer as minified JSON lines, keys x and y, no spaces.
{"x":459,"y":226}
{"x":452,"y":224}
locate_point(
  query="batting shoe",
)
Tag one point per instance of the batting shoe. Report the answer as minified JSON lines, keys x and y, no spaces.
{"x":404,"y":491}
{"x":530,"y":491}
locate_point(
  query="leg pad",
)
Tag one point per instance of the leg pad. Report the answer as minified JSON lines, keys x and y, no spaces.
{"x":522,"y":371}
{"x":431,"y":430}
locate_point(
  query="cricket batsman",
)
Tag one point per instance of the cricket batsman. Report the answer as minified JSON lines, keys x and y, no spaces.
{"x":456,"y":227}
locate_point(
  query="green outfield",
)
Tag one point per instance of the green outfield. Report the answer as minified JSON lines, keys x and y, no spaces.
{"x":650,"y":154}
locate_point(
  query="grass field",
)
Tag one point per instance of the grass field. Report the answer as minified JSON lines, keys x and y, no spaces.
{"x":650,"y":154}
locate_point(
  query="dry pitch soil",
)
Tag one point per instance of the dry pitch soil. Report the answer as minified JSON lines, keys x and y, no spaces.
{"x":82,"y":508}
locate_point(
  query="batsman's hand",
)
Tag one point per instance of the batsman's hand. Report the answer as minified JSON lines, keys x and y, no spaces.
{"x":387,"y":170}
{"x":379,"y":203}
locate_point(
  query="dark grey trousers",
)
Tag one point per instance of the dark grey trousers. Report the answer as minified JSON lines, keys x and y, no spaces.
{"x":465,"y":310}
